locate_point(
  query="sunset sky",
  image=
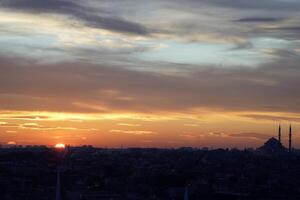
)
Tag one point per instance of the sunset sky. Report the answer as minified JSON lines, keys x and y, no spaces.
{"x":158,"y":73}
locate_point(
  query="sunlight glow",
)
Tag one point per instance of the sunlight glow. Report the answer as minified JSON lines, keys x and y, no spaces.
{"x":60,"y":146}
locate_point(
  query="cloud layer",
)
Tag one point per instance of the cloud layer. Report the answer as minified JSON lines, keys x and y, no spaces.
{"x":81,"y":87}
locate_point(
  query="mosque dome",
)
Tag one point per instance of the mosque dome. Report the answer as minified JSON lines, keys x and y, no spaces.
{"x":272,"y":146}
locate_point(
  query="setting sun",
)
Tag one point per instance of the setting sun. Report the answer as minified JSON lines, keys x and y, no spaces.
{"x":60,"y":146}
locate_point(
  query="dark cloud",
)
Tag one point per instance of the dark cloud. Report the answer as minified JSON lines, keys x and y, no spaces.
{"x":272,"y":117}
{"x":243,"y":45}
{"x":115,"y":15}
{"x":38,"y":6}
{"x":258,"y":19}
{"x":236,"y":21}
{"x":267,"y":5}
{"x":92,"y":17}
{"x":287,"y":28}
{"x":290,"y":5}
{"x":81,"y":87}
{"x":284,"y":28}
{"x":281,"y":31}
{"x":258,"y":136}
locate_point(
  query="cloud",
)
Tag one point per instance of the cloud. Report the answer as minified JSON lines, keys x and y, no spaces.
{"x":282,"y":53}
{"x":288,"y":31}
{"x":9,"y":125}
{"x":133,"y":132}
{"x":91,"y":60}
{"x":190,"y":136}
{"x":218,"y":134}
{"x":147,"y":141}
{"x":40,"y":6}
{"x":266,"y":5}
{"x":24,"y":117}
{"x":251,"y":135}
{"x":39,"y":127}
{"x":243,"y":46}
{"x":91,"y":17}
{"x":30,"y":86}
{"x":287,"y":28}
{"x":258,"y":19}
{"x":10,"y":131}
{"x":196,"y":22}
{"x":127,"y":124}
{"x":276,"y":118}
{"x":192,"y":125}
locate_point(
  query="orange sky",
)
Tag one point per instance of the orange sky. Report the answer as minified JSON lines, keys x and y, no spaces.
{"x":138,"y":130}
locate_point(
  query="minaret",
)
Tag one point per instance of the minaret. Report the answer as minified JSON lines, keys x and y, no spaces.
{"x":279,"y":133}
{"x":290,"y":138}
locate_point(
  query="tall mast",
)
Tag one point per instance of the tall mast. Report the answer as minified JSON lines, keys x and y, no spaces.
{"x":58,"y":186}
{"x":290,"y":138}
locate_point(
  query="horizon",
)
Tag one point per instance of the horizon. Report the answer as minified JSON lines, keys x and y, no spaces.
{"x":13,"y":144}
{"x":66,"y":146}
{"x":149,"y":73}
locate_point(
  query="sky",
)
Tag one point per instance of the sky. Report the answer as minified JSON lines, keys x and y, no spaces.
{"x":160,"y":73}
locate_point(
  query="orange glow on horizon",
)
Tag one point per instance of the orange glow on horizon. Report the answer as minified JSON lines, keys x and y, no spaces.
{"x":209,"y":129}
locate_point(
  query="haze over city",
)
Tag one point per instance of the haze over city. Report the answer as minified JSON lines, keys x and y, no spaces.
{"x":158,"y":73}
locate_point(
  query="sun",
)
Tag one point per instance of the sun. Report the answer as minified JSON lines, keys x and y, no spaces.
{"x":60,"y":146}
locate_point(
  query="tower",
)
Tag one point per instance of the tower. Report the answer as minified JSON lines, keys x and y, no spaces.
{"x":58,"y":189}
{"x":290,"y":138}
{"x":279,"y":133}
{"x":186,"y":193}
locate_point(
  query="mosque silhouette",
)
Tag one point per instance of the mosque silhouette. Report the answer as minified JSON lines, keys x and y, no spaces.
{"x":274,"y":145}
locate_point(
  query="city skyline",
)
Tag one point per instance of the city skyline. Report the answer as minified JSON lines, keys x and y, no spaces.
{"x":149,"y":74}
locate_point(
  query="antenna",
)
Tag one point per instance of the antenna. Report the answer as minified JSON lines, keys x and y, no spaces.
{"x":279,"y":133}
